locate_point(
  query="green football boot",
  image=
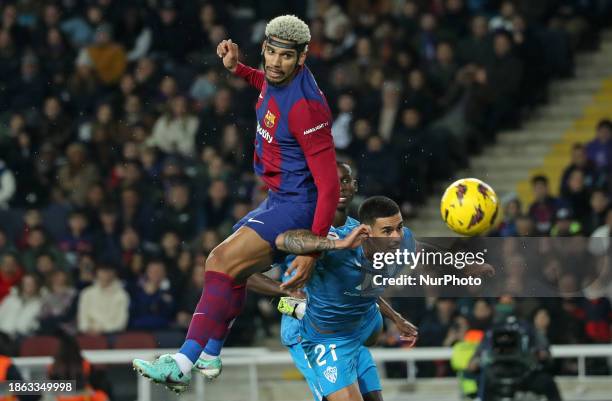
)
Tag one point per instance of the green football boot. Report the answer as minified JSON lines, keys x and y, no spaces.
{"x":164,"y":370}
{"x":209,"y":368}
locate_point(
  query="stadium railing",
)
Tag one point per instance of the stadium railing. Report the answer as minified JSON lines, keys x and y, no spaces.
{"x":254,"y":357}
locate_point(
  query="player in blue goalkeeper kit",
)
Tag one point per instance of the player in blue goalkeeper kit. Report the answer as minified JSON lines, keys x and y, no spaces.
{"x":339,"y":320}
{"x":367,"y":376}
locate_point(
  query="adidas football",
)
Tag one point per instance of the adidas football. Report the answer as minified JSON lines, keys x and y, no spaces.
{"x":469,"y":206}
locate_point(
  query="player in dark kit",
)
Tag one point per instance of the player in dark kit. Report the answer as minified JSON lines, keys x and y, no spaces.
{"x":295,"y":157}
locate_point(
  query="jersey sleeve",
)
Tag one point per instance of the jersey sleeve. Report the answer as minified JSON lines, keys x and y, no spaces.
{"x":254,"y":77}
{"x":310,"y":124}
{"x":408,"y":242}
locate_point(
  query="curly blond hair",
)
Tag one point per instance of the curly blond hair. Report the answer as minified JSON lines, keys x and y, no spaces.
{"x":289,"y":27}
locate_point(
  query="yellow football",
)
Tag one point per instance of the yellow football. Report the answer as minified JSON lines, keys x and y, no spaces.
{"x":469,"y":206}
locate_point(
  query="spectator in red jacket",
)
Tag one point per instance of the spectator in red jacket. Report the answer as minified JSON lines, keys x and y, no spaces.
{"x":10,"y":274}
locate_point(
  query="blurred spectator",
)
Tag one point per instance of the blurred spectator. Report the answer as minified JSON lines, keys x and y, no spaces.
{"x":78,"y":175}
{"x":103,"y":306}
{"x":107,"y":58}
{"x":433,"y":331}
{"x":217,"y":205}
{"x":576,"y":197}
{"x":39,"y":244}
{"x":175,"y":131}
{"x":507,"y":227}
{"x":596,"y":215}
{"x":58,"y":56}
{"x":32,"y":219}
{"x":426,"y":39}
{"x":21,"y":308}
{"x":389,"y":110}
{"x":503,"y":21}
{"x":27,"y":90}
{"x":435,"y":325}
{"x":599,"y":243}
{"x":442,"y":71}
{"x":6,"y":245}
{"x":544,"y":206}
{"x":503,"y":76}
{"x":59,"y":306}
{"x":10,"y":274}
{"x":167,"y":28}
{"x":541,"y":324}
{"x":106,"y":242}
{"x":135,"y":211}
{"x":55,"y":127}
{"x":580,"y":162}
{"x":133,"y":34}
{"x":213,"y":119}
{"x":599,"y":150}
{"x":170,"y":253}
{"x":232,"y":149}
{"x":475,"y":48}
{"x":83,"y":86}
{"x":132,"y":258}
{"x":341,"y":128}
{"x":482,"y":315}
{"x":376,"y":172}
{"x":7,"y":185}
{"x":177,"y":213}
{"x":565,"y":224}
{"x":79,"y":239}
{"x":152,"y":304}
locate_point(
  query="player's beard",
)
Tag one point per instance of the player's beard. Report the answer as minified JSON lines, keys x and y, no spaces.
{"x":286,"y":79}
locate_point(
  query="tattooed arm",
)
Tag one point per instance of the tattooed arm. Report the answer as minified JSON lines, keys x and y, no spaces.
{"x":302,"y":242}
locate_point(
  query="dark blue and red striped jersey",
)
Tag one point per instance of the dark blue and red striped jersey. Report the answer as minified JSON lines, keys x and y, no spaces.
{"x":294,"y":149}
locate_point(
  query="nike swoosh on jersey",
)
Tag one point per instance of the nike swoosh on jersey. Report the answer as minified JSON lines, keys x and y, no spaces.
{"x":252,"y":220}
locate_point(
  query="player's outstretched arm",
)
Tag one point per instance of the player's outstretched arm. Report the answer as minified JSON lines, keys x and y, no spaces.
{"x":264,"y":285}
{"x":228,"y":51}
{"x":409,"y":331}
{"x":302,"y":242}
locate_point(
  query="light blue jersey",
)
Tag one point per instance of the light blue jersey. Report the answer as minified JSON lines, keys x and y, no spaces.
{"x":336,"y":301}
{"x":365,"y":368}
{"x":340,"y":318}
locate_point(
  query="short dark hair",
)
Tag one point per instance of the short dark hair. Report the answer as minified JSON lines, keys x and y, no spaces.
{"x":605,"y":123}
{"x":539,"y":179}
{"x":377,"y":207}
{"x":345,"y":165}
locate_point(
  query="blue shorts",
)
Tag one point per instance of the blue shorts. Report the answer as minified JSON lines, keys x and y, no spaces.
{"x":276,"y":215}
{"x":301,"y":362}
{"x":367,"y":375}
{"x":340,"y":359}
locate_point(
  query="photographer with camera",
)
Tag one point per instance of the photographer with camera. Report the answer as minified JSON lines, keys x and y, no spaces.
{"x":512,"y":360}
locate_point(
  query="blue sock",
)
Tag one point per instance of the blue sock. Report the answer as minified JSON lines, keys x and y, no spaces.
{"x":213,"y":347}
{"x":191,"y":349}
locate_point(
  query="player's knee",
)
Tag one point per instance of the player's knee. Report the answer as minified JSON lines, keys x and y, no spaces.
{"x":217,"y":259}
{"x":223,"y":259}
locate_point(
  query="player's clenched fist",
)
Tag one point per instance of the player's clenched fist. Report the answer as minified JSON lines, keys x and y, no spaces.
{"x":228,"y":51}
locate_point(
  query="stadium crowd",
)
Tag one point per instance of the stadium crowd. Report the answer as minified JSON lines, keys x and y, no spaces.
{"x":125,"y":147}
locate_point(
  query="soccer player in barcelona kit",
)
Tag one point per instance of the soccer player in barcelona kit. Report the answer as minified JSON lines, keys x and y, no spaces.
{"x":338,"y":319}
{"x":295,"y":157}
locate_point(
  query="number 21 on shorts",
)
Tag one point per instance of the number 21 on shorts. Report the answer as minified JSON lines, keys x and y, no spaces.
{"x":320,"y":351}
